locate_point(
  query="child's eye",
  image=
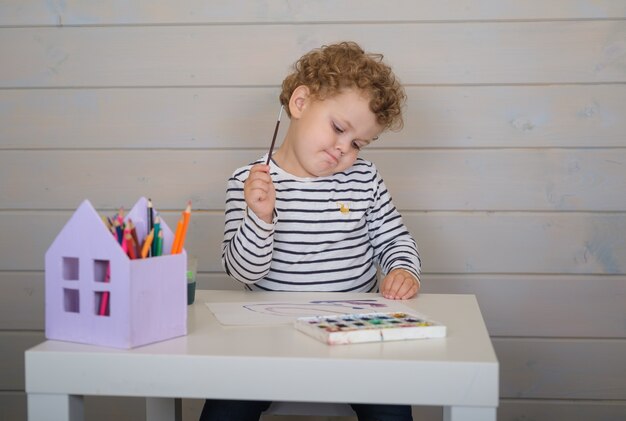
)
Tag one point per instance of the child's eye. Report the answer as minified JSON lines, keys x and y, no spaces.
{"x":356,"y":145}
{"x":337,"y":128}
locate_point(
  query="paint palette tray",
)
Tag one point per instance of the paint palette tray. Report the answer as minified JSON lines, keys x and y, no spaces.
{"x":369,"y":327}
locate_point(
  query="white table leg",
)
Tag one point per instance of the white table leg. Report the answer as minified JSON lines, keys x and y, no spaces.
{"x":468,"y":413}
{"x":163,"y":409}
{"x":43,"y":407}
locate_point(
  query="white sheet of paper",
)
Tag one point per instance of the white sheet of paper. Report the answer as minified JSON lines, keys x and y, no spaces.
{"x":286,"y":312}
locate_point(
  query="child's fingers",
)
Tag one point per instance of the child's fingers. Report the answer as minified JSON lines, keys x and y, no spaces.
{"x":257,"y":195}
{"x":408,"y":290}
{"x":259,"y":176}
{"x":399,"y":285}
{"x":259,"y":192}
{"x":260,"y":168}
{"x":259,"y":185}
{"x":401,"y":290}
{"x":258,"y":181}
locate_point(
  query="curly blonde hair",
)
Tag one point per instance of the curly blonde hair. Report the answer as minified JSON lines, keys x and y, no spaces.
{"x":326,"y":71}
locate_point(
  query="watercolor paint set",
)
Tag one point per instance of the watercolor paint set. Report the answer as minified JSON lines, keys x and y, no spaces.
{"x":369,"y":327}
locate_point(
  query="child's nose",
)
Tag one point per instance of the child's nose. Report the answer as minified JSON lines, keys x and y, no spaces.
{"x":342,"y":146}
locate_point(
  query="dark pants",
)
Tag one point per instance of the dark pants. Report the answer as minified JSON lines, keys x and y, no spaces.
{"x":226,"y":410}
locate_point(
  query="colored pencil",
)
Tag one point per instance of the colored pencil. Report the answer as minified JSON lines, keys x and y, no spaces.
{"x":131,"y":247}
{"x":157,"y":230}
{"x":126,"y":236}
{"x":177,"y":236}
{"x":133,"y":233}
{"x":120,"y":216}
{"x":109,"y":224}
{"x":119,"y":231}
{"x":150,"y":218}
{"x":186,"y":215}
{"x":104,"y":304}
{"x":159,"y":244}
{"x":147,"y":244}
{"x":104,"y":299}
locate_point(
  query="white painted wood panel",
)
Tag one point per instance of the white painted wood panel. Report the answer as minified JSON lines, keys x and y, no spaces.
{"x":511,"y":243}
{"x":570,"y":410}
{"x":236,"y":117}
{"x":12,"y":347}
{"x":22,"y":301}
{"x":430,"y":179}
{"x":529,"y":179}
{"x":104,"y":408}
{"x":495,"y":53}
{"x":110,"y":179}
{"x":97,"y":408}
{"x":561,"y":368}
{"x":557,"y":306}
{"x":512,"y":305}
{"x":449,"y":242}
{"x":120,"y":12}
{"x":13,"y":406}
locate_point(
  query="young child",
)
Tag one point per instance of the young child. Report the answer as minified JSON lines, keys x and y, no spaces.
{"x":318,"y":217}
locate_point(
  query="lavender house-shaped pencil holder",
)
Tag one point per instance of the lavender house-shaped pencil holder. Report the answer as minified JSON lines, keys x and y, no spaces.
{"x":147,"y":298}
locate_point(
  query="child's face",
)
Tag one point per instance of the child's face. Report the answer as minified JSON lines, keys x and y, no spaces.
{"x":328,"y":134}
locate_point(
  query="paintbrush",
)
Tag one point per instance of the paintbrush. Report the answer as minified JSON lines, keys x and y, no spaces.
{"x":269,"y":154}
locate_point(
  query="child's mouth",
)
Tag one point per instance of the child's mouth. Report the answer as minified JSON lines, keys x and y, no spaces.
{"x":333,"y":159}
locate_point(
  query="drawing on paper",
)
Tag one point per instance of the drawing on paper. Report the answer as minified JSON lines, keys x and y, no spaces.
{"x":315,"y":307}
{"x":283,"y":312}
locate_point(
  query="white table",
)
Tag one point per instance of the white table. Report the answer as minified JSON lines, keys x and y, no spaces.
{"x":276,"y":363}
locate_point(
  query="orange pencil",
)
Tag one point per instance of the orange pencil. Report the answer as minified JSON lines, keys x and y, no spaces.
{"x":146,"y":244}
{"x":177,"y":236}
{"x":185,"y":217}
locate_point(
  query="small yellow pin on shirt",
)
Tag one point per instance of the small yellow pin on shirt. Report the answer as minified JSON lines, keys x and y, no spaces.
{"x":343,"y":208}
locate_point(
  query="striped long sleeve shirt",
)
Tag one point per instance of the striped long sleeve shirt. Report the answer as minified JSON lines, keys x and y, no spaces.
{"x":328,"y":233}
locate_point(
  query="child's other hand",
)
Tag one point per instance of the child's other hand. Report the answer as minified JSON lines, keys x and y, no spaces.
{"x":258,"y":190}
{"x":399,"y":284}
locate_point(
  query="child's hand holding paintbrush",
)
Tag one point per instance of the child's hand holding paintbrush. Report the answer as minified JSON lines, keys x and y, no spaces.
{"x":259,"y":189}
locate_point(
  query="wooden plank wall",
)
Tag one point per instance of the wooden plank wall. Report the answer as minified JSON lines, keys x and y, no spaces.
{"x":510,"y":172}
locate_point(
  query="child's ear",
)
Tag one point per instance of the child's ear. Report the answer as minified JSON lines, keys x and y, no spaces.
{"x":298,"y":101}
